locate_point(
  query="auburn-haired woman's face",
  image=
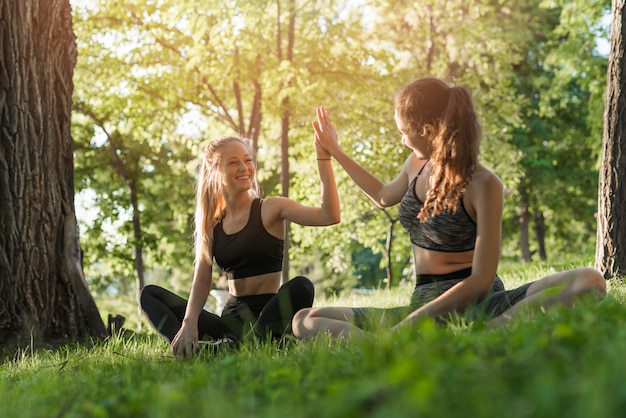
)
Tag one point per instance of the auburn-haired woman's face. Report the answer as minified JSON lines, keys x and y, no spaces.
{"x":410,"y":139}
{"x":236,"y":167}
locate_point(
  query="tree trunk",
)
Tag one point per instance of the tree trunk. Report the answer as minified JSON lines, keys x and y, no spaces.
{"x":611,"y":237}
{"x":285,"y":122}
{"x":524,"y":223}
{"x":43,"y":293}
{"x":540,"y":234}
{"x":388,"y":248}
{"x":138,"y":238}
{"x":284,"y":180}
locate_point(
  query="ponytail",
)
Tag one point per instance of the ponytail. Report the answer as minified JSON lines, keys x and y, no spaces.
{"x":429,"y":104}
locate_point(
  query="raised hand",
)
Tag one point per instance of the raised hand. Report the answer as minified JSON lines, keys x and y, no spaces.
{"x":325,"y":134}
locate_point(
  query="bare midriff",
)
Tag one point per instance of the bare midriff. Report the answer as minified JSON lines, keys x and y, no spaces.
{"x":440,"y":262}
{"x":255,"y":285}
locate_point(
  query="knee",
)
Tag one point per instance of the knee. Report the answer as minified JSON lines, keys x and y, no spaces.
{"x":298,"y":322}
{"x":303,"y":284}
{"x":147,"y":292}
{"x":148,"y":289}
{"x":591,"y":280}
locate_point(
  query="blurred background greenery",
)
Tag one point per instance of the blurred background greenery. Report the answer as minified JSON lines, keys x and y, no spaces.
{"x":156,"y":80}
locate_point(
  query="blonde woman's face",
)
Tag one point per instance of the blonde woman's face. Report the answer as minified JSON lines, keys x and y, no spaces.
{"x":236,"y":168}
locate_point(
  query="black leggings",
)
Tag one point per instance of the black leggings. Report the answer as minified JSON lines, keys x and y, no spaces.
{"x":264,"y":315}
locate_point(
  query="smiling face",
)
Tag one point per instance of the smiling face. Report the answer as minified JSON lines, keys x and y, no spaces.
{"x":236,"y":167}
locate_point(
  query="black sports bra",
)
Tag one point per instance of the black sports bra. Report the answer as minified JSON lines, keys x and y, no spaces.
{"x":249,"y":252}
{"x":447,"y":231}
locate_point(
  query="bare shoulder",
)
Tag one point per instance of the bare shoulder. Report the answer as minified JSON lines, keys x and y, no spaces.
{"x":413,"y":165}
{"x":485,"y":194}
{"x":272,"y":209}
{"x":485,"y":183}
{"x":277,"y":207}
{"x":274,"y":204}
{"x":485,"y":177}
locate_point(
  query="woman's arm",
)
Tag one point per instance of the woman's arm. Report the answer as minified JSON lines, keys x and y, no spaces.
{"x":383,"y":195}
{"x":186,"y":340}
{"x":487,"y":199}
{"x":328,"y":213}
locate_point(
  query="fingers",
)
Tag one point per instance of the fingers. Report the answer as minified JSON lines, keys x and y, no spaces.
{"x":183,"y":349}
{"x":325,"y":135}
{"x":317,"y":130}
{"x":323,"y":125}
{"x":323,"y":119}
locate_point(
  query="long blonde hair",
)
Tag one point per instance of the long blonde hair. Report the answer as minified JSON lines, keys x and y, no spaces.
{"x":210,"y":202}
{"x":429,"y":106}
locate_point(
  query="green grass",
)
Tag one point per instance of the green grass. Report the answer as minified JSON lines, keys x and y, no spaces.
{"x":566,"y":363}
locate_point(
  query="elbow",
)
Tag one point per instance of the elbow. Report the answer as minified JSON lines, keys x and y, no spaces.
{"x":329,"y":215}
{"x":382,"y":203}
{"x":336,"y":216}
{"x":480,"y":288}
{"x":484,"y":288}
{"x":334,"y":219}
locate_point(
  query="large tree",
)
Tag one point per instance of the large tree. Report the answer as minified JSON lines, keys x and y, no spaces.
{"x":611,"y":239}
{"x":43,"y":294}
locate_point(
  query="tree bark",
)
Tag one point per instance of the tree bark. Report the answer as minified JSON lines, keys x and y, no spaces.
{"x":611,"y":237}
{"x":524,"y":223}
{"x":540,"y":234}
{"x":285,"y":123}
{"x":43,"y":293}
{"x":139,"y":244}
{"x":388,"y":248}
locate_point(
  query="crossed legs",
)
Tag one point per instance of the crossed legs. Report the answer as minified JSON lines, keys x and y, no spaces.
{"x":559,"y":289}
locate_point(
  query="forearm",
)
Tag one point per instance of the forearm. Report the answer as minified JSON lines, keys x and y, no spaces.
{"x":200,"y":289}
{"x":197,"y":299}
{"x":453,"y":300}
{"x":330,"y":198}
{"x":367,"y":182}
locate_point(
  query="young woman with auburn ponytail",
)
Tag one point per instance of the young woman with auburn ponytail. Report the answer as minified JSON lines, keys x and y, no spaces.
{"x":451,"y":206}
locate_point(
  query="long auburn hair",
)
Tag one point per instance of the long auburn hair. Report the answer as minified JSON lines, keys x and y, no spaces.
{"x":210,"y":202}
{"x":446,"y":114}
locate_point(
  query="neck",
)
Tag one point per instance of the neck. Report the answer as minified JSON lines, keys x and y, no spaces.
{"x":237,"y":203}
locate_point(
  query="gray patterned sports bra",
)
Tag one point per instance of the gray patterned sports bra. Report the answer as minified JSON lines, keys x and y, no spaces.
{"x":448,"y":231}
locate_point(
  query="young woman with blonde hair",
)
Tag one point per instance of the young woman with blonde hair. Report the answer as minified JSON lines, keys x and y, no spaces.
{"x":451,"y":206}
{"x":243,"y":233}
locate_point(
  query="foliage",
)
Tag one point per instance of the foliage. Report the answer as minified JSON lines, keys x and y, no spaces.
{"x":130,"y":155}
{"x":160,"y":78}
{"x":224,"y":67}
{"x":558,"y":135}
{"x":566,"y":362}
